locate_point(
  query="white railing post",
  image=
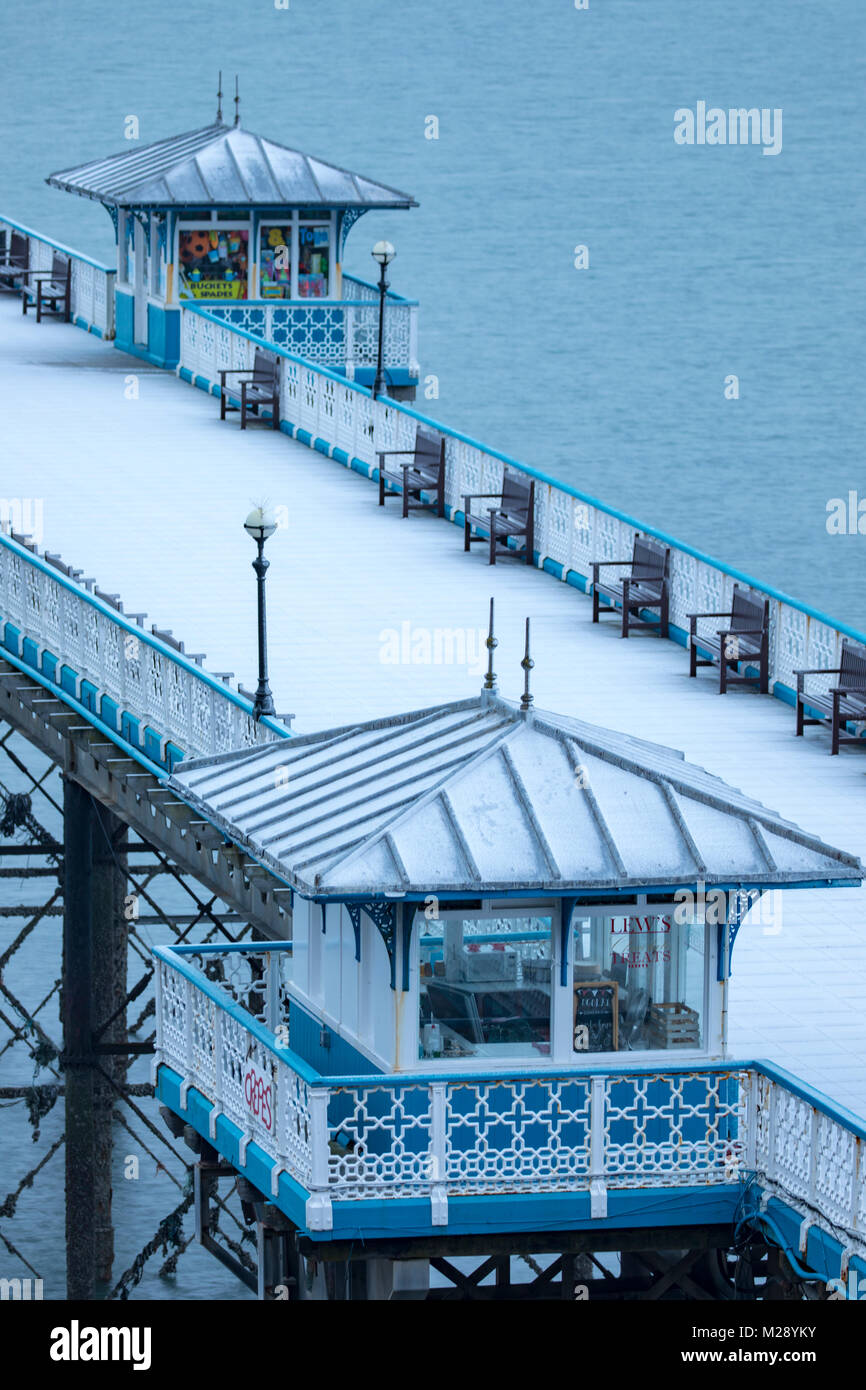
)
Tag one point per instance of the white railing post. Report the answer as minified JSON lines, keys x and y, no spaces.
{"x":751,"y":1120}
{"x":597,"y":1185}
{"x":272,"y":992}
{"x":813,"y":1155}
{"x":438,"y":1154}
{"x":218,"y":1072}
{"x":188,"y":1040}
{"x":319,"y":1215}
{"x":771,"y":1129}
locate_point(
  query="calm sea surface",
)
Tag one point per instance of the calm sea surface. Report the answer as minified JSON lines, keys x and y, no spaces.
{"x":555,"y":131}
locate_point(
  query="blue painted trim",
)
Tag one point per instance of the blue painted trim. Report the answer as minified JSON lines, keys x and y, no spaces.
{"x":69,"y":699}
{"x":556,"y":483}
{"x":228,"y":1005}
{"x":381,"y":1218}
{"x":58,"y":245}
{"x":141,"y":634}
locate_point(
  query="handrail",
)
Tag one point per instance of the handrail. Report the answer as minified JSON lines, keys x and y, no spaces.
{"x":58,"y":245}
{"x":667,"y":1065}
{"x":401,"y":408}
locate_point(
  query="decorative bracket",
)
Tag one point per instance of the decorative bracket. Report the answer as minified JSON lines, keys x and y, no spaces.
{"x":347,"y":222}
{"x":384,"y":919}
{"x":354,"y":912}
{"x":143,"y":219}
{"x":740,"y":901}
{"x":566,"y":908}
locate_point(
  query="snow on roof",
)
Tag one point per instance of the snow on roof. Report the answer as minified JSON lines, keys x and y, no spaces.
{"x":476,"y":796}
{"x":222,"y":165}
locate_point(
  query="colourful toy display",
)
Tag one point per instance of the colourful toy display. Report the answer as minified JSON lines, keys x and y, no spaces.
{"x":213,"y":263}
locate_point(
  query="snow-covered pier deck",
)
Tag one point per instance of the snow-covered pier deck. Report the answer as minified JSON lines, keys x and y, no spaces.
{"x":127,"y":472}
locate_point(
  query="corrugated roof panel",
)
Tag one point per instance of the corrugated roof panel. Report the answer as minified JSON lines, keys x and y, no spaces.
{"x":219,"y":165}
{"x":462,"y":796}
{"x":640,"y":821}
{"x":427,"y":842}
{"x":725,"y":842}
{"x":563,"y":808}
{"x":494,"y":826}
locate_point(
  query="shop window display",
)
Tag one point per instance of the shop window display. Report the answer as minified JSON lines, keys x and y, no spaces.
{"x":485,"y":987}
{"x":638,"y":984}
{"x":275,"y":263}
{"x":313,"y":258}
{"x":213,"y":262}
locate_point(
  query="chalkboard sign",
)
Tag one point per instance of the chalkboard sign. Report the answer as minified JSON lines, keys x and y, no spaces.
{"x":595,"y":1016}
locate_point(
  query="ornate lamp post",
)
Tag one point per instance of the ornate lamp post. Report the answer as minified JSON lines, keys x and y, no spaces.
{"x":384,"y":253}
{"x":260,"y":524}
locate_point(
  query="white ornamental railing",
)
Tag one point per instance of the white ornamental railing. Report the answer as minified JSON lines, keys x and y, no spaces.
{"x":222,"y":1025}
{"x":339,"y":334}
{"x":571,"y":529}
{"x":52,"y":622}
{"x":91,"y":295}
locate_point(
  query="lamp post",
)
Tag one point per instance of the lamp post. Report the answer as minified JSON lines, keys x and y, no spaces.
{"x":260,"y":524}
{"x":384,"y":253}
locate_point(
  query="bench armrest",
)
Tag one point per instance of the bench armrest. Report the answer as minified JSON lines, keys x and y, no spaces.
{"x":235,"y":371}
{"x":818,"y":671}
{"x":395,"y":453}
{"x":856,"y":691}
{"x":726,"y":614}
{"x":473,"y":496}
{"x":741,"y":632}
{"x":602,"y":564}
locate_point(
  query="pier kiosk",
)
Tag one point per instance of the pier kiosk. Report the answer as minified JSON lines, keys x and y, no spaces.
{"x":500,"y":1022}
{"x":228,"y":220}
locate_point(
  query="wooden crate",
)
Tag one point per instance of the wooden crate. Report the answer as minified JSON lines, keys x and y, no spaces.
{"x":673,"y":1025}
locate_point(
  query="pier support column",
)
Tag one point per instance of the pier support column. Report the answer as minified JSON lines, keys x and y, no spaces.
{"x":78,"y":821}
{"x":109,"y":948}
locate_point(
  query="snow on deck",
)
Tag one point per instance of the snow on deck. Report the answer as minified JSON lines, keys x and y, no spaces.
{"x":149,"y":496}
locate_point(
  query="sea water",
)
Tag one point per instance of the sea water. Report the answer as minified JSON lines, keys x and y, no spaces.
{"x":673,"y":327}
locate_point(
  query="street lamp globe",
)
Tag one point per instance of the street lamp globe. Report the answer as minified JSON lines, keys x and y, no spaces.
{"x":383,"y":252}
{"x":260,"y":524}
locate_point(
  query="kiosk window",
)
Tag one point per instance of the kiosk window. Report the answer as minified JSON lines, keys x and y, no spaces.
{"x":638,"y":984}
{"x":486,"y":987}
{"x":213,"y":262}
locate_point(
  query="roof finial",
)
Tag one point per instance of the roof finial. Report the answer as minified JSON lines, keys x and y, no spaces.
{"x":491,"y":644}
{"x":237,"y":103}
{"x":220,"y":100}
{"x":527,"y":663}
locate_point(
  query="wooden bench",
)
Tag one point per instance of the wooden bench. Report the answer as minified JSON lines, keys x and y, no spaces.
{"x":425,"y":473}
{"x":14,"y":260}
{"x":745,"y":640}
{"x":51,"y":292}
{"x":513,"y":517}
{"x":646,"y":586}
{"x":259,"y":387}
{"x":840,"y":705}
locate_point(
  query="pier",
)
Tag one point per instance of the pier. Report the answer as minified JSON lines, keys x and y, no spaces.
{"x":372,"y":616}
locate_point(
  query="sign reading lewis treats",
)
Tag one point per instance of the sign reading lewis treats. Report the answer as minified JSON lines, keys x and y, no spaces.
{"x":595,"y":1016}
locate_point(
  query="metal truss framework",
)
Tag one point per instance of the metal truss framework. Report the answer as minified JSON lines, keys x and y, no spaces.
{"x":136,"y":888}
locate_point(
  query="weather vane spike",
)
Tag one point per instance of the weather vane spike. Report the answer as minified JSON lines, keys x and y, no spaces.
{"x":491,"y":645}
{"x":237,"y":102}
{"x":527,"y":663}
{"x":220,"y":100}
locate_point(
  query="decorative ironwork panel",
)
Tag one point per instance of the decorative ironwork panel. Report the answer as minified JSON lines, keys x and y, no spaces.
{"x":518,"y":1135}
{"x":380,"y":1139}
{"x":662,"y":1129}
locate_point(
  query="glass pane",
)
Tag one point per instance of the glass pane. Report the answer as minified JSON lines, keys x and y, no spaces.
{"x":313,"y":258}
{"x":213,"y":263}
{"x":275,"y":262}
{"x":638,"y":984}
{"x":485,"y":987}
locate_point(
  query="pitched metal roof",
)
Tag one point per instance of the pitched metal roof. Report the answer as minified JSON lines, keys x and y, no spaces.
{"x":220,"y":166}
{"x":475,"y":796}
